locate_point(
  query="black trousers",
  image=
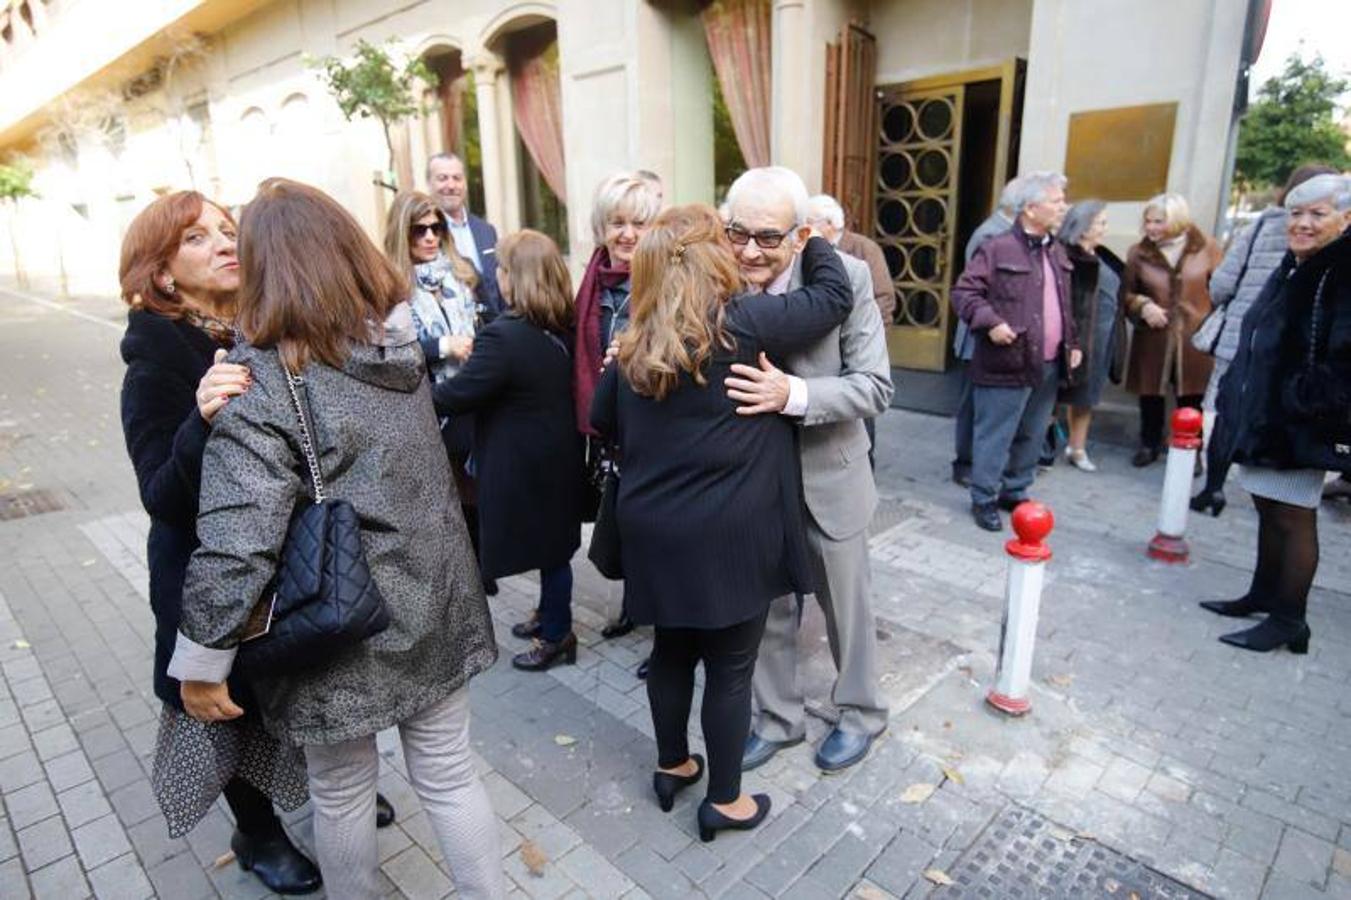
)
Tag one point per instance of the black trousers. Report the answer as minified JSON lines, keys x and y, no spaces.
{"x":253,"y":810}
{"x":728,"y":655}
{"x":1151,"y":416}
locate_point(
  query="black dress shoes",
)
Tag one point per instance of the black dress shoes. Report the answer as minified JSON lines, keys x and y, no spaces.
{"x":1275,"y":631}
{"x":760,"y":751}
{"x":667,"y":785}
{"x":384,"y":812}
{"x":642,"y":669}
{"x":544,"y":654}
{"x":618,"y":628}
{"x":711,"y":821}
{"x":490,"y":587}
{"x":1009,"y":502}
{"x":1212,"y":501}
{"x":1146,"y":455}
{"x":1237,"y":609}
{"x":986,"y":515}
{"x":276,"y":862}
{"x":528,"y":629}
{"x":842,"y":749}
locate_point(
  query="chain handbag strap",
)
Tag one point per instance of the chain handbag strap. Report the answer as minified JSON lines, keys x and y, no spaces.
{"x":1316,"y":320}
{"x":293,"y":382}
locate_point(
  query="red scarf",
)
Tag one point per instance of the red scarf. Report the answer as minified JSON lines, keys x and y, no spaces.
{"x":589,"y":354}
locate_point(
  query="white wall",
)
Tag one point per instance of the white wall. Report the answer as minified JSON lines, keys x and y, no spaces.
{"x":919,"y":38}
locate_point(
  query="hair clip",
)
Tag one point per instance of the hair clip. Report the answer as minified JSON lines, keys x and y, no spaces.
{"x":678,"y":254}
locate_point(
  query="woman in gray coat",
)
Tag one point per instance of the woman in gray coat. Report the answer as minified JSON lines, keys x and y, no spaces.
{"x":1250,"y":260}
{"x":317,"y":298}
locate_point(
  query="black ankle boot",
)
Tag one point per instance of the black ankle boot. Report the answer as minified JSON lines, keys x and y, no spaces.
{"x":276,"y":862}
{"x":1274,"y":632}
{"x":543,"y":654}
{"x":1237,"y":609}
{"x":1209,"y":500}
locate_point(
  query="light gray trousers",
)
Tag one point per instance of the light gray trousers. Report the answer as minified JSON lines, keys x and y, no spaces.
{"x":441,"y":770}
{"x":842,"y":573}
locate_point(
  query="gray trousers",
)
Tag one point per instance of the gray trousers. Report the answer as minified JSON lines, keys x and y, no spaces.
{"x":1009,"y":428}
{"x":441,"y":769}
{"x":842,"y":574}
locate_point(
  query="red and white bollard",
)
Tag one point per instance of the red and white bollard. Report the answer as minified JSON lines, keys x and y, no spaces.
{"x":1028,"y":554}
{"x":1168,"y":544}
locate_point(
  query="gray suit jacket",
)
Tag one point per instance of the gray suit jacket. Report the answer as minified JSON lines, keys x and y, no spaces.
{"x":848,"y":375}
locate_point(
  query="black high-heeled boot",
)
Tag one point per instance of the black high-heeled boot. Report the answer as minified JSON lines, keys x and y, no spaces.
{"x":667,"y":784}
{"x":276,"y":862}
{"x":1209,"y":500}
{"x":711,"y":821}
{"x":1273,"y":632}
{"x":1236,"y":609}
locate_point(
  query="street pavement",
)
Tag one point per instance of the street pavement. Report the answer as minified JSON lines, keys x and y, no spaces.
{"x":1150,"y":749}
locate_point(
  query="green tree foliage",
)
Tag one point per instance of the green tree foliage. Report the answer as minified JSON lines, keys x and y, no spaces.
{"x":1293,"y":121}
{"x":373,"y":86}
{"x":16,"y":181}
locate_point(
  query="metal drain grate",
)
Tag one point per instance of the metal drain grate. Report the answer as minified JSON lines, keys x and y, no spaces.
{"x":1023,"y":855}
{"x":23,"y":504}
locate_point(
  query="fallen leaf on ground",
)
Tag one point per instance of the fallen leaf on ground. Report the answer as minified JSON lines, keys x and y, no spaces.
{"x":966,"y":670}
{"x":1062,"y":834}
{"x":88,"y":562}
{"x":953,"y":775}
{"x":1135,"y":896}
{"x":564,"y":740}
{"x":947,"y":724}
{"x":1061,"y":680}
{"x":870,"y":892}
{"x":938,"y":876}
{"x":918,"y":793}
{"x":534,"y":858}
{"x":21,"y":644}
{"x":224,"y":859}
{"x":1111,"y":885}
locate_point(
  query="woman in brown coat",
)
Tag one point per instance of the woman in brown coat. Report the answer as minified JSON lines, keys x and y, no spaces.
{"x":1165,"y":290}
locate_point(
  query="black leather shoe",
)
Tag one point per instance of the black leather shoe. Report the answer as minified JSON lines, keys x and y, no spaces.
{"x":1146,"y":455}
{"x":667,"y":785}
{"x":1270,"y":634}
{"x":842,"y":749}
{"x":384,"y":812}
{"x":490,"y":587}
{"x":986,"y":515}
{"x":1237,"y":609}
{"x":543,"y":654}
{"x":528,"y":629}
{"x":1209,"y":500}
{"x":760,"y":751}
{"x":1009,"y":502}
{"x":711,"y":821}
{"x":618,"y":628}
{"x":276,"y":862}
{"x":642,"y":669}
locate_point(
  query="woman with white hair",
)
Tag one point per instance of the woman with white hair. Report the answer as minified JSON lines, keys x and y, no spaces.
{"x":1286,"y":403}
{"x":1166,"y":290}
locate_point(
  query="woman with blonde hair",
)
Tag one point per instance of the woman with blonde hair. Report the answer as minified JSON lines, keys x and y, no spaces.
{"x":1165,"y":289}
{"x":708,"y":512}
{"x":528,"y":452}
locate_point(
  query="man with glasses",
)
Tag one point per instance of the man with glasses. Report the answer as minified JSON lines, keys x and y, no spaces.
{"x":474,"y":238}
{"x":833,"y":388}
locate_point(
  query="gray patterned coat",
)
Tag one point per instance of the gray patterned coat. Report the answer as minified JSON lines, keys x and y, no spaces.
{"x":380,"y":449}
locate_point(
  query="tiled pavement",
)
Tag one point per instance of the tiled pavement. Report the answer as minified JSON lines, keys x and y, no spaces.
{"x":1225,"y":771}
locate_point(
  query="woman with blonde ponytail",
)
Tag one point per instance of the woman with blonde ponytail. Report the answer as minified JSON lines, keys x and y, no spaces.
{"x":709,"y":519}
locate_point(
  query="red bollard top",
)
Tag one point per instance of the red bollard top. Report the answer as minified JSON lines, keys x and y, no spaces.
{"x":1186,"y":428}
{"x":1032,"y":522}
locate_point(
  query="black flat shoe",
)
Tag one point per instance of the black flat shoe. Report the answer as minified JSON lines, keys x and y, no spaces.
{"x":1212,"y":501}
{"x":618,"y":628}
{"x":490,"y":587}
{"x":642,"y":669}
{"x":384,"y":812}
{"x":1270,"y":634}
{"x":528,"y":629}
{"x":668,"y":785}
{"x":276,"y":862}
{"x":543,"y":654}
{"x":986,"y":515}
{"x":1235,"y":609}
{"x":711,"y":821}
{"x":1146,"y":455}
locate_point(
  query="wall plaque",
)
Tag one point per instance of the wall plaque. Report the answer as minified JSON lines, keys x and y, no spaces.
{"x":1122,"y":153}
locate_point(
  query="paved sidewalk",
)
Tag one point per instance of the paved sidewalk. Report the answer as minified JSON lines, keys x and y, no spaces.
{"x":1153,"y":752}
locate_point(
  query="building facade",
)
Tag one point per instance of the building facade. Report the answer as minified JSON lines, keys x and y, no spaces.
{"x":914,"y":111}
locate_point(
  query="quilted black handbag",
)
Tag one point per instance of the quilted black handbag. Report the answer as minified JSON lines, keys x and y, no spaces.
{"x":323,"y":600}
{"x":604,"y":549}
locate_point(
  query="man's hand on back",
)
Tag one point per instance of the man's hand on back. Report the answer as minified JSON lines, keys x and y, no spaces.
{"x":759,"y":390}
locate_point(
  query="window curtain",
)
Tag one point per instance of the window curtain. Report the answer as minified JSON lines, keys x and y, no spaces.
{"x":537,"y":105}
{"x":739,"y":41}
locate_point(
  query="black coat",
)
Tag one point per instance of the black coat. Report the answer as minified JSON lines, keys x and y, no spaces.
{"x":710,"y":503}
{"x":527,"y":452}
{"x":1286,"y":399}
{"x":165,"y":437}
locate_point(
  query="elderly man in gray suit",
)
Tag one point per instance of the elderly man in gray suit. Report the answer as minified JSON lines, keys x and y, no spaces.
{"x":832,"y":389}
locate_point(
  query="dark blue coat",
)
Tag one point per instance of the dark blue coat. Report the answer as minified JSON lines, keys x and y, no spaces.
{"x":485,"y":239}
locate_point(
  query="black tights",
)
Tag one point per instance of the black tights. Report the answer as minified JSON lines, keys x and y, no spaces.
{"x":1287,"y":558}
{"x":1151,"y":416}
{"x":252,"y":808}
{"x":729,"y":660}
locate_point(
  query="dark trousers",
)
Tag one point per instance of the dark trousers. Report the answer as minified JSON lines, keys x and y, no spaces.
{"x":555,"y":602}
{"x":1151,"y":416}
{"x":964,"y":425}
{"x":252,"y":808}
{"x":728,"y":655}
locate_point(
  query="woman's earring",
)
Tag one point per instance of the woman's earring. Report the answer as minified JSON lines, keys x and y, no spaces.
{"x":168,"y":285}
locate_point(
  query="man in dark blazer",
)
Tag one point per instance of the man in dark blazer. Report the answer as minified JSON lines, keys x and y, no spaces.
{"x":474,"y":238}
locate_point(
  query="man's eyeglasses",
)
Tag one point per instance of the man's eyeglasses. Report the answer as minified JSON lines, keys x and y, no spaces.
{"x":417,"y":230}
{"x":765,"y":240}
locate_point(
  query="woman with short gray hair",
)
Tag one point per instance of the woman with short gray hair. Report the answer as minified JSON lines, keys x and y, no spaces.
{"x":1286,"y":404}
{"x":1094,"y":285}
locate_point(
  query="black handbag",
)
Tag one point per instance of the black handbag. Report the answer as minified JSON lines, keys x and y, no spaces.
{"x":323,"y":600}
{"x":604,"y":551}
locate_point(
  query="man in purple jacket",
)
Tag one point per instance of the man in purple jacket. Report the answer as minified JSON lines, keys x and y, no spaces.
{"x":1015,"y":296}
